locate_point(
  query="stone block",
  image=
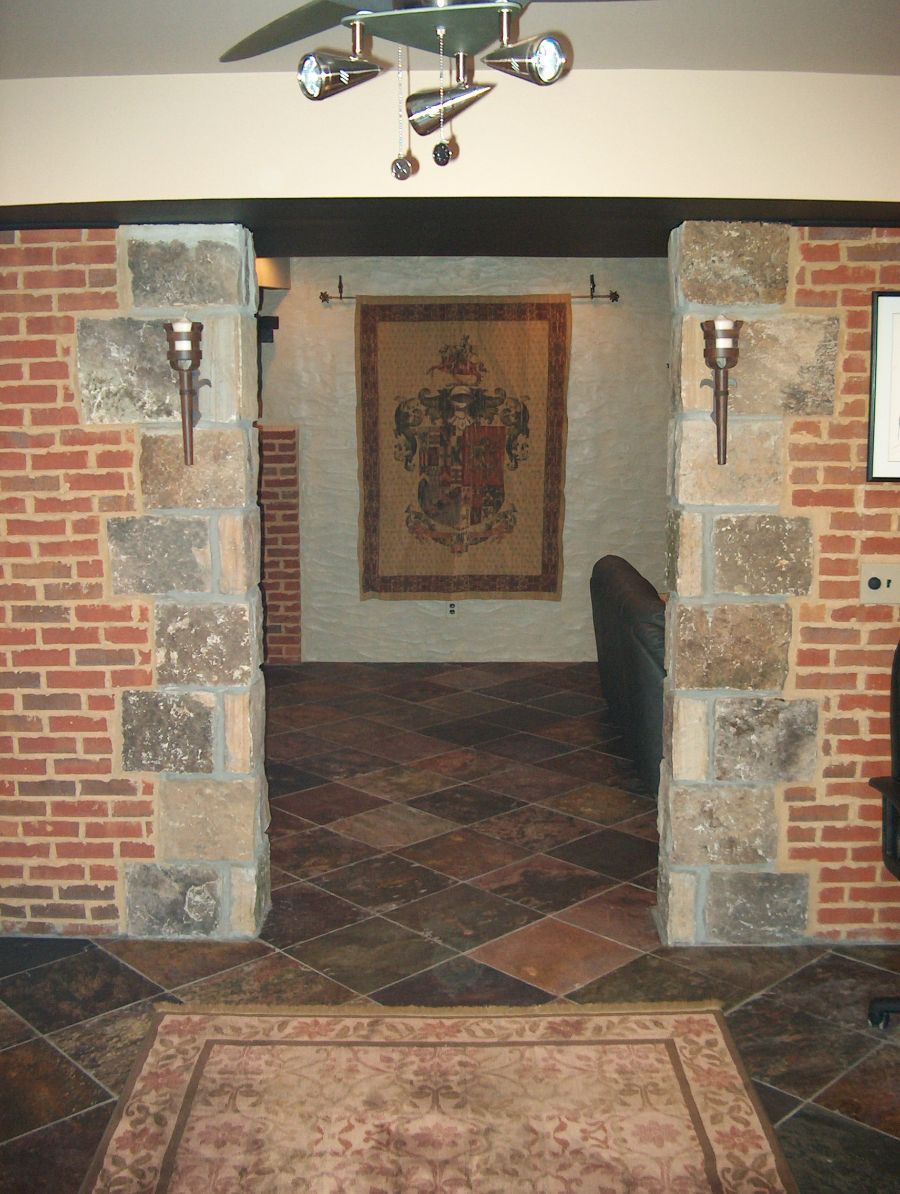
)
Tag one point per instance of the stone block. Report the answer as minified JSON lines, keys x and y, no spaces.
{"x":762,"y":553}
{"x":684,"y":553}
{"x":692,"y":393}
{"x":123,"y":374}
{"x":724,"y":826}
{"x":203,"y":644}
{"x":239,"y":551}
{"x":753,"y":475}
{"x":250,"y":897}
{"x":189,"y":266}
{"x":720,"y":263}
{"x":230,"y":367}
{"x":690,"y":738}
{"x":677,"y":906}
{"x":220,"y":477}
{"x":172,"y":901}
{"x":245,"y":728}
{"x":787,"y":365}
{"x":742,"y":646}
{"x":756,"y":908}
{"x":167,"y":731}
{"x":159,"y":555}
{"x":765,"y":739}
{"x":210,"y":819}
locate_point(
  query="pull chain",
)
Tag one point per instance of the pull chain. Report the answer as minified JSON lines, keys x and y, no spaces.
{"x":401,"y":166}
{"x":400,"y":101}
{"x":441,"y":33}
{"x":441,"y":153}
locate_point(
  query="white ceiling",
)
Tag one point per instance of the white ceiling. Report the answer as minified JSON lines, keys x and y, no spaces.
{"x":63,"y":38}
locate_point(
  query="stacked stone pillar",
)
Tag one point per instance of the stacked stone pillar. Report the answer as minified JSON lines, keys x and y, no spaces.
{"x":736,"y":733}
{"x":191,"y":551}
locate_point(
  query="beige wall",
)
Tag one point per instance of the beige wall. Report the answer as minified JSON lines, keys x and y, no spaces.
{"x":618,"y":411}
{"x":638,"y":132}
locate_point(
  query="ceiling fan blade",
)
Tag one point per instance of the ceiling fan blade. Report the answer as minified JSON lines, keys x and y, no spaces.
{"x":302,"y":22}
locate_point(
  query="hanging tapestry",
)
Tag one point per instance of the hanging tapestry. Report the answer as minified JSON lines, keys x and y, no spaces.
{"x":462,"y":433}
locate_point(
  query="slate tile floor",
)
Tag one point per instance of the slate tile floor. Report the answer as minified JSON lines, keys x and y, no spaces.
{"x":452,"y":835}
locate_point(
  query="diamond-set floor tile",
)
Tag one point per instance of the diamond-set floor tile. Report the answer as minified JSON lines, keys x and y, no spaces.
{"x":371,"y":954}
{"x":392,"y":826}
{"x":463,"y":853}
{"x":543,"y":883}
{"x":555,"y":956}
{"x":463,"y":916}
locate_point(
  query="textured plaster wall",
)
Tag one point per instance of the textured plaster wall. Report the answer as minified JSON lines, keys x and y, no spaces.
{"x":615,"y":465}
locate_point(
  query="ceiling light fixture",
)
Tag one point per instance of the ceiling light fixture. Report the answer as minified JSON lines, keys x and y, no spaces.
{"x":539,"y":60}
{"x":459,"y":28}
{"x":429,"y":110}
{"x":321,"y":74}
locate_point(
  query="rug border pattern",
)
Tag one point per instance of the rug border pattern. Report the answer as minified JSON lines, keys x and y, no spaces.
{"x":165,"y":1012}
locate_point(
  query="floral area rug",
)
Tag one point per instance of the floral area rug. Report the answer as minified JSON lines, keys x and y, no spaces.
{"x":493,"y":1100}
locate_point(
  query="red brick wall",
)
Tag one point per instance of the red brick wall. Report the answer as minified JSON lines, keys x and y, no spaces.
{"x":68,"y":815}
{"x":280,"y":511}
{"x":844,"y":649}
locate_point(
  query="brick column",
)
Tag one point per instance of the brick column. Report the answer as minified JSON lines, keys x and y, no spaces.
{"x":778,"y":675}
{"x":845,"y":648}
{"x":279,"y":500}
{"x":132,"y":796}
{"x":69,"y":817}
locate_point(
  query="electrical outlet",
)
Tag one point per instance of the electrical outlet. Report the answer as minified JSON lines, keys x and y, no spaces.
{"x":452,"y":609}
{"x":879,"y":584}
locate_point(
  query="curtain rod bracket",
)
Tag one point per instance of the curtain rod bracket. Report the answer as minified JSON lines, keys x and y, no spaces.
{"x":325,"y":297}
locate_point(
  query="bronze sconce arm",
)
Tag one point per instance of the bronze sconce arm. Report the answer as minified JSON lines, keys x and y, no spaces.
{"x":184,"y":355}
{"x":720,"y":352}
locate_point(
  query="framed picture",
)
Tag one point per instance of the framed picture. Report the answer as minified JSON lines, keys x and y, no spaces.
{"x":884,"y":408}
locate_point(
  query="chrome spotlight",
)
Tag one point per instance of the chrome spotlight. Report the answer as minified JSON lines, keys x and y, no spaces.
{"x":321,"y":75}
{"x":426,"y":110}
{"x":540,"y":60}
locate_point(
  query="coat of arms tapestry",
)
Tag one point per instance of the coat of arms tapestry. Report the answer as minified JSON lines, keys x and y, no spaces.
{"x":462,"y":435}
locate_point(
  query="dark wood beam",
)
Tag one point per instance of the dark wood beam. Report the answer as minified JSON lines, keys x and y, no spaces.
{"x":483,"y":227}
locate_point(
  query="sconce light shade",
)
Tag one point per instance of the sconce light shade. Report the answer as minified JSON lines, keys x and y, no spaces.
{"x":424,"y":108}
{"x":720,"y":342}
{"x":540,"y":60}
{"x":183,"y":343}
{"x":321,"y":75}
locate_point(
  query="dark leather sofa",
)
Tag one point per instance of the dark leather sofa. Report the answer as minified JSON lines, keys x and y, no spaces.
{"x":629,"y":626}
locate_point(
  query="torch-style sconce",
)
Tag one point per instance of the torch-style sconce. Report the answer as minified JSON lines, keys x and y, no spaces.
{"x":720,"y":352}
{"x":184,"y":357}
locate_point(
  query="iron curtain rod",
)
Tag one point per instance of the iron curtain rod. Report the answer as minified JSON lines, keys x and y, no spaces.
{"x":612,"y":295}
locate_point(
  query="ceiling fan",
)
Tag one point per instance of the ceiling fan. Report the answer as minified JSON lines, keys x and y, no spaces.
{"x":457,"y":28}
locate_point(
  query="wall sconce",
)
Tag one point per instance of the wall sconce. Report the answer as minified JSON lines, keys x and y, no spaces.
{"x":720,"y":352}
{"x":184,"y":357}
